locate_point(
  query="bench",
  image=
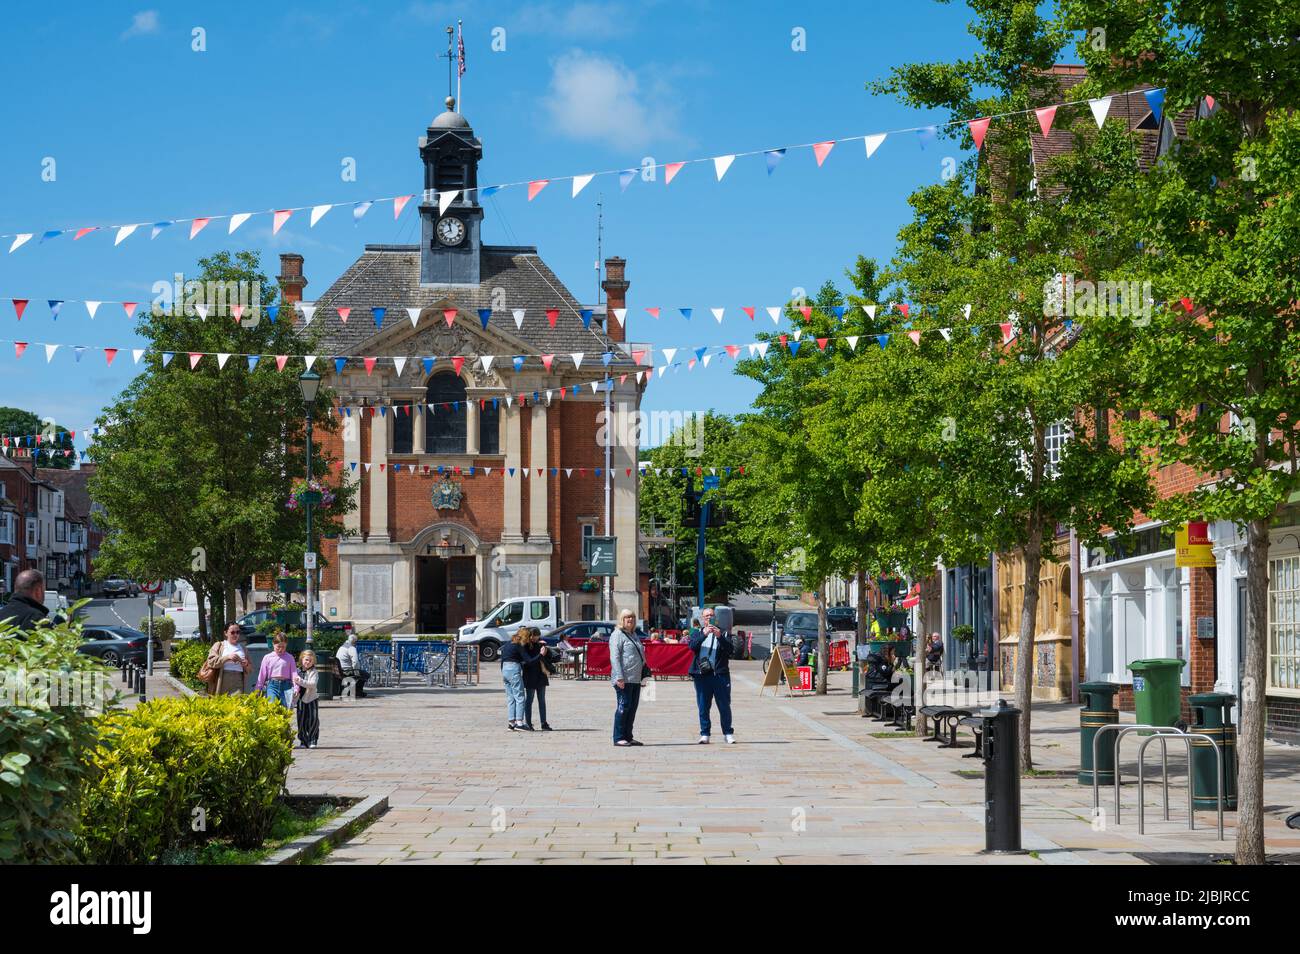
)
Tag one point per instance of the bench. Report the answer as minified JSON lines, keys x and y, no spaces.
{"x":976,"y":725}
{"x":944,"y":717}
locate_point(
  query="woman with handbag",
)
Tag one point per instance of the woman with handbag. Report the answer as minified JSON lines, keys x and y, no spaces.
{"x":711,"y":673}
{"x":537,"y":668}
{"x":627,"y":671}
{"x":227,"y":665}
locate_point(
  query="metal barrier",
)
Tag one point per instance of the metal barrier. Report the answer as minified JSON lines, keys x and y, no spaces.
{"x":1163,"y":733}
{"x":1187,"y":737}
{"x":465,"y":663}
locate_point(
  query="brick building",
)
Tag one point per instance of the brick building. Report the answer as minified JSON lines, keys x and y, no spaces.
{"x":478,"y":477}
{"x":18,"y":549}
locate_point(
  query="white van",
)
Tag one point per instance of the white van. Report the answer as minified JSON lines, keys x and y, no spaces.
{"x":495,"y":628}
{"x":186,"y":616}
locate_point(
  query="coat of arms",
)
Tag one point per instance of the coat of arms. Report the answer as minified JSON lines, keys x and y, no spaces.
{"x":447,"y":494}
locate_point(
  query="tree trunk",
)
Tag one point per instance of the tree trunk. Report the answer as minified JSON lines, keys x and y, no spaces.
{"x":860,"y":634}
{"x":228,"y":592}
{"x":1250,"y":712}
{"x":1033,"y":556}
{"x":821,"y":638}
{"x":204,"y":631}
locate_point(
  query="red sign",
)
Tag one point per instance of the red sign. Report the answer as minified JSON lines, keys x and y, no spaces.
{"x":805,"y":679}
{"x":152,"y":586}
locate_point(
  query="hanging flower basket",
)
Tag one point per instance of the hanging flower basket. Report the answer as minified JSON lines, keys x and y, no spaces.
{"x":590,"y":585}
{"x":304,"y":492}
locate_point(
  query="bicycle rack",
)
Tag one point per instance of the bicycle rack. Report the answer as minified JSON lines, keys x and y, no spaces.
{"x":1187,"y":737}
{"x":1163,"y":733}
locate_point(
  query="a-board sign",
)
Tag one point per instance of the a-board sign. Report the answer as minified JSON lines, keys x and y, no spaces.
{"x":804,"y":679}
{"x":786,"y":669}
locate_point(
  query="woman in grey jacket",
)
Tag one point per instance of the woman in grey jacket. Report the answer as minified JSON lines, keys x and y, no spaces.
{"x":626,"y":660}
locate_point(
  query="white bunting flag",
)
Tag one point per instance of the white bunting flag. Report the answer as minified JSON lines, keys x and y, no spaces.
{"x":669,"y":354}
{"x":619,"y":314}
{"x":519,"y":317}
{"x":753,"y":348}
{"x":414,"y":315}
{"x":49,"y":352}
{"x":721,"y":164}
{"x":966,"y":311}
{"x":201,"y":311}
{"x":870,"y":310}
{"x":509,"y":401}
{"x":488,"y":471}
{"x":367,"y":466}
{"x":20,"y":241}
{"x":577,"y":359}
{"x":400,"y":365}
{"x":706,"y":359}
{"x":873,"y":143}
{"x":595,"y":386}
{"x":486,"y":361}
{"x":238,"y":219}
{"x":568,"y":472}
{"x":223,"y":357}
{"x":445,"y":199}
{"x":308,"y":313}
{"x":717,"y":313}
{"x":580,"y":183}
{"x":853,"y":342}
{"x":137,"y":354}
{"x":1100,"y":107}
{"x":124,"y":233}
{"x":318,"y":213}
{"x":947,"y":333}
{"x":775,"y":314}
{"x":798,"y":333}
{"x":662,"y":369}
{"x":92,"y":307}
{"x":762,"y":348}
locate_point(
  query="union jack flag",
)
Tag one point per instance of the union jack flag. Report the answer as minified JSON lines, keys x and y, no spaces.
{"x":460,"y":49}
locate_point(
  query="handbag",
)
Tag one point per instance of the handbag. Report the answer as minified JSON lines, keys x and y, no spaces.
{"x":646,"y":671}
{"x":209,"y":672}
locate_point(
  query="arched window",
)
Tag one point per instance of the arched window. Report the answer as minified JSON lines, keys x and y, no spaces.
{"x":445,"y":426}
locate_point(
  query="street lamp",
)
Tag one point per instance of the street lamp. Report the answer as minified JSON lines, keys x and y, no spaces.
{"x":309,"y":383}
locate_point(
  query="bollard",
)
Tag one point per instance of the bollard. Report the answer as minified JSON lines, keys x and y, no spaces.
{"x":1210,"y":716}
{"x":139,"y":687}
{"x":1001,"y":778}
{"x":123,"y":664}
{"x":130,"y":676}
{"x":1098,"y":710}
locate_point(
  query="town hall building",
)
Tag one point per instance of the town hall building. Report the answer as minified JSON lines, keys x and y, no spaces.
{"x":478,"y":479}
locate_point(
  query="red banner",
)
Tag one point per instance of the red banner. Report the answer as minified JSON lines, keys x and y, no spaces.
{"x":664,"y":659}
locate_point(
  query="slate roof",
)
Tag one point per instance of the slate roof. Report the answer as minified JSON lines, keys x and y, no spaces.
{"x":76,"y":492}
{"x":388,"y":276}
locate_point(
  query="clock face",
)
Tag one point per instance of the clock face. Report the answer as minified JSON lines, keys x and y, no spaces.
{"x":450,"y":230}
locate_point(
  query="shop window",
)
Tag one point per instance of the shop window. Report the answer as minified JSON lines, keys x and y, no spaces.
{"x":1284,"y":624}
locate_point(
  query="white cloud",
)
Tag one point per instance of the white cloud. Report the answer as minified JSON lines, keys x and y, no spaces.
{"x":595,"y":98}
{"x":142,"y":24}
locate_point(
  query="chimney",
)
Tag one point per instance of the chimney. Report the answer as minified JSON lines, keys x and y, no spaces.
{"x":290,"y":278}
{"x":615,"y":297}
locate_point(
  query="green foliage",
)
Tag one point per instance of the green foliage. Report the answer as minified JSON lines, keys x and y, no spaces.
{"x":15,"y":422}
{"x":963,"y":633}
{"x":328,"y":641}
{"x":164,"y":627}
{"x":186,"y":660}
{"x":227,"y":756}
{"x":196,"y":465}
{"x":42,"y":740}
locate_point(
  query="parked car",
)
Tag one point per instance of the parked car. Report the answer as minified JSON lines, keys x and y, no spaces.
{"x":113,"y":644}
{"x":249,"y":622}
{"x":840,"y":618}
{"x":115,"y":587}
{"x":799,"y":626}
{"x":597,"y":630}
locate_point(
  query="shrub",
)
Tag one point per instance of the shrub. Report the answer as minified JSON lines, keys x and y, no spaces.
{"x":328,"y":641}
{"x":168,"y":763}
{"x":42,"y":742}
{"x":187,"y":659}
{"x":164,"y":627}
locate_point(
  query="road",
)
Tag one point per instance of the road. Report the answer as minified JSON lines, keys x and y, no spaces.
{"x":122,"y":612}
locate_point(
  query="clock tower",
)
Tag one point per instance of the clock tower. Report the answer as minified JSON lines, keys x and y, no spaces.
{"x":450,"y":243}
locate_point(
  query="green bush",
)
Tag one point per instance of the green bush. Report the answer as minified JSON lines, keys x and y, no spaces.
{"x":162,"y":767}
{"x":43,"y":740}
{"x":164,"y":627}
{"x":187,"y":658}
{"x":328,"y":641}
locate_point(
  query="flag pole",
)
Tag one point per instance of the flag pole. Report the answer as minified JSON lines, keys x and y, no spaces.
{"x":460,"y":68}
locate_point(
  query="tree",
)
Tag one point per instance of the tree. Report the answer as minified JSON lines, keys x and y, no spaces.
{"x":991,"y":240}
{"x":19,"y":425}
{"x":1219,"y":222}
{"x":195,"y":466}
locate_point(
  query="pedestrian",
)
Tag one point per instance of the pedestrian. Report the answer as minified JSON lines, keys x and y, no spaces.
{"x":513,"y":658}
{"x":934,"y":654}
{"x":349,"y":664}
{"x":537,"y":669}
{"x":304,"y":683}
{"x":275,"y":676}
{"x":231,"y":661}
{"x":26,"y":606}
{"x":627,"y":670}
{"x":712,"y":675}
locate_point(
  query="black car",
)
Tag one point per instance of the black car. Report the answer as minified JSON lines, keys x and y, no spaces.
{"x":599,"y":630}
{"x":113,"y":644}
{"x":799,"y":626}
{"x":117,"y":588}
{"x":841,"y":618}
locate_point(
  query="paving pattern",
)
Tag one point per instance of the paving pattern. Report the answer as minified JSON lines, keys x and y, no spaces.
{"x":807,"y":782}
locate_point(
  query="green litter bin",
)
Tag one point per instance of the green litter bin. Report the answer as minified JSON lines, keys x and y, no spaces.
{"x":326,"y":684}
{"x":1211,"y":715}
{"x":1156,"y":695}
{"x":1098,"y":710}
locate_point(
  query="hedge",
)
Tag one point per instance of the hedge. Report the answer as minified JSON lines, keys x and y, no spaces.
{"x":42,"y":771}
{"x":187,"y":659}
{"x":176,"y":772}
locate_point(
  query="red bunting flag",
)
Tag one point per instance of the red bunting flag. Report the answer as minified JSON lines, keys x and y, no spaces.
{"x":399,"y":204}
{"x":821,"y":344}
{"x":278,"y":219}
{"x":343,"y":314}
{"x":237,"y":311}
{"x":1006,"y":330}
{"x":638,"y":356}
{"x":1045,"y":117}
{"x":537,"y":186}
{"x":85,"y":231}
{"x":109,"y":355}
{"x":551,"y":315}
{"x":457,"y":364}
{"x":449,"y":316}
{"x":671,"y":170}
{"x":19,"y":348}
{"x":734,"y":350}
{"x":370,"y":366}
{"x":806,"y":311}
{"x":280,"y":361}
{"x":654,"y":313}
{"x":546,"y":361}
{"x":978,"y":128}
{"x":197,"y":226}
{"x":129,"y":308}
{"x":20,"y":304}
{"x":749,"y":311}
{"x":784,"y":342}
{"x":1187,"y":305}
{"x":823,"y":149}
{"x":195,"y":358}
{"x":916,"y":337}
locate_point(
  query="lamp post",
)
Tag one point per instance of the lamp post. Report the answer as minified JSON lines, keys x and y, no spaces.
{"x":309,"y":383}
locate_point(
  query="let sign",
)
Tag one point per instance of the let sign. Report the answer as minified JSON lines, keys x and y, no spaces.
{"x":599,"y":554}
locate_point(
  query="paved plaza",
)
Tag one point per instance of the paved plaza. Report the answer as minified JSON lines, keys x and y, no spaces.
{"x":807,"y":782}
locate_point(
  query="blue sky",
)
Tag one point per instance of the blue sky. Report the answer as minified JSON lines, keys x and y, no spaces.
{"x":143,"y":128}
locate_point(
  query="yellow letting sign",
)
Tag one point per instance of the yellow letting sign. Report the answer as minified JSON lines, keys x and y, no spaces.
{"x":1192,"y":545}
